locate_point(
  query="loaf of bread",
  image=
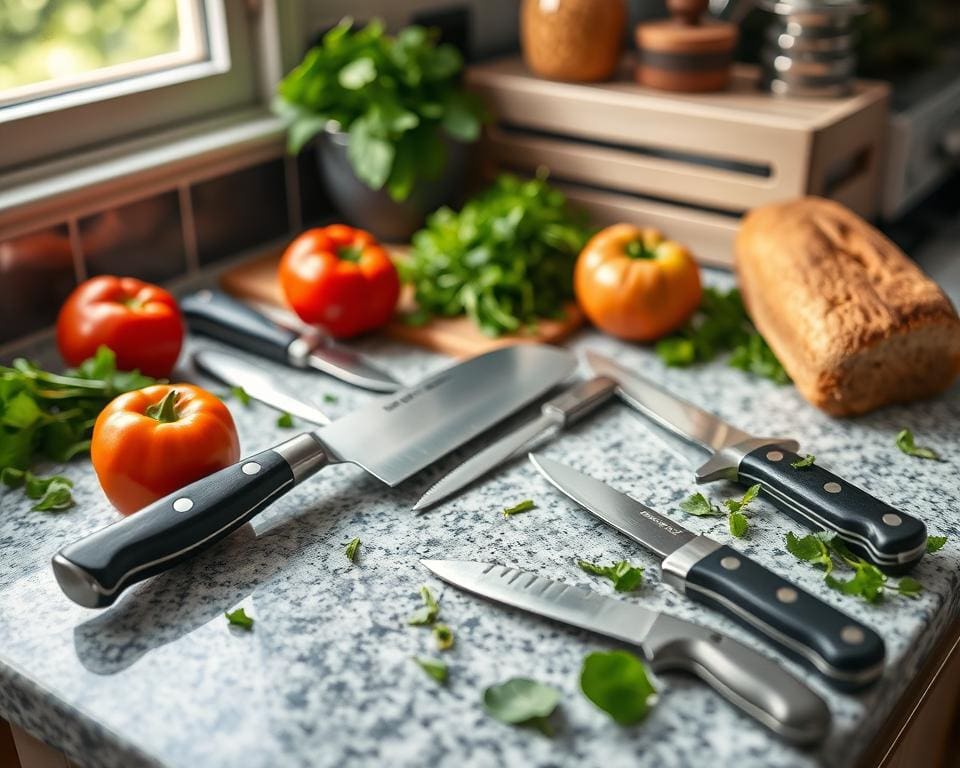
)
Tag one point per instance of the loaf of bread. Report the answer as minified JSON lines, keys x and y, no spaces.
{"x":856,"y":323}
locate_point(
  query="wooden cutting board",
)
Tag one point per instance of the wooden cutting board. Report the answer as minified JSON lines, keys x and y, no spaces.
{"x":457,"y":336}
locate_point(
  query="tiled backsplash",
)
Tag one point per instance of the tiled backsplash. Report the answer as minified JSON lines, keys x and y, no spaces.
{"x":154,"y":238}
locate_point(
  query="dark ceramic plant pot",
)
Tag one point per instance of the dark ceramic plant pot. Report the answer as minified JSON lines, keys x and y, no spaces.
{"x":374,"y":209}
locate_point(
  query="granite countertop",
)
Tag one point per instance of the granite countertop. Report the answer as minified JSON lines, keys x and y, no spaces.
{"x":326,"y":677}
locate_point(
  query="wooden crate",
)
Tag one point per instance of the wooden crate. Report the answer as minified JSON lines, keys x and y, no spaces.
{"x":689,"y":163}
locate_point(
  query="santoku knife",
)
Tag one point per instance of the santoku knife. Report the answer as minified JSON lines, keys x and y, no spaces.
{"x":221,"y":317}
{"x":810,"y":494}
{"x":555,"y":414}
{"x":392,"y":438}
{"x":746,"y":678}
{"x":847,"y":653}
{"x":258,"y":383}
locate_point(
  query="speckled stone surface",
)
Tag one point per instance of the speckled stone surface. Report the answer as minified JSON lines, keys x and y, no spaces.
{"x":326,"y":677}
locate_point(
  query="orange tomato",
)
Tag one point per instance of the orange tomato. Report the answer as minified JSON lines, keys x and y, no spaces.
{"x":633,"y":283}
{"x":150,"y":442}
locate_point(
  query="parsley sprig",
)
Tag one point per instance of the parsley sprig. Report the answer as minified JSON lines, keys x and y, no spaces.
{"x":906,"y":443}
{"x":701,"y":506}
{"x":625,"y":577}
{"x":428,"y":613}
{"x":868,"y":582}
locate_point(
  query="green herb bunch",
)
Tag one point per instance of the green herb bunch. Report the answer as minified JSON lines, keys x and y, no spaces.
{"x":505,"y":260}
{"x":395,"y":96}
{"x":46,"y":415}
{"x":718,"y":326}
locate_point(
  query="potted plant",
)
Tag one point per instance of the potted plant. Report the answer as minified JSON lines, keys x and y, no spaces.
{"x":392,"y":122}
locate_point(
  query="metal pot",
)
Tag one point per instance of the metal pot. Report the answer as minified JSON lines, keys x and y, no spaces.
{"x":374,"y":209}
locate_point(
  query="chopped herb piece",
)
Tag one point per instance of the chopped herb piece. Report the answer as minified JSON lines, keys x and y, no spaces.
{"x":436,"y":669}
{"x":906,"y":444}
{"x":241,"y":396}
{"x":352,"y":548}
{"x":699,"y":505}
{"x":806,"y":461}
{"x":521,"y":701}
{"x":737,"y":505}
{"x":444,"y":637}
{"x":909,"y":587}
{"x":524,"y":506}
{"x":428,"y":613}
{"x":328,"y":398}
{"x":285,"y":421}
{"x":935,"y":543}
{"x":617,"y":683}
{"x":51,"y":493}
{"x":811,"y":549}
{"x":239,"y":618}
{"x":625,"y":577}
{"x":738,"y":524}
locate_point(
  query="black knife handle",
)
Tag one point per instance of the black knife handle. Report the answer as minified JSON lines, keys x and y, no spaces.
{"x":221,"y":317}
{"x":96,"y":569}
{"x":847,"y":653}
{"x":819,"y":499}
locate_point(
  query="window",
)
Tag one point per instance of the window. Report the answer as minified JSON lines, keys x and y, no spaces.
{"x":79,"y":74}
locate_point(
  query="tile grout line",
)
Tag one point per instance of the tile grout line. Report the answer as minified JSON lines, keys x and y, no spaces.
{"x":188,"y":228}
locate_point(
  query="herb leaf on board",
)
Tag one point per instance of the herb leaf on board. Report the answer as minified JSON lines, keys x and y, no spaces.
{"x":521,"y":701}
{"x":625,"y":577}
{"x":905,"y":442}
{"x":617,"y":683}
{"x":428,"y":613}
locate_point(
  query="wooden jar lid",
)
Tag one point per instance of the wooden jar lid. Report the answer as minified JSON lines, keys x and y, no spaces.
{"x":685,"y":53}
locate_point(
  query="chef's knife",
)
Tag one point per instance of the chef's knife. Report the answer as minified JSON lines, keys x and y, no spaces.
{"x":258,"y":383}
{"x":392,"y":438}
{"x":555,"y":414}
{"x":844,"y":651}
{"x":221,"y":317}
{"x":747,"y":679}
{"x":811,"y":495}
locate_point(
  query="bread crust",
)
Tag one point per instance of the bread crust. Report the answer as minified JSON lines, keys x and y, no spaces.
{"x":856,"y":323}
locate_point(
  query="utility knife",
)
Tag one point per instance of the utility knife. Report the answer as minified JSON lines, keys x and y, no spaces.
{"x":845,"y":652}
{"x":810,"y":494}
{"x":219,"y":316}
{"x":555,"y":414}
{"x":747,"y":679}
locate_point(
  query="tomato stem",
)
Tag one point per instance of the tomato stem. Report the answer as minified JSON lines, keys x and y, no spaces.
{"x":637,"y":250}
{"x":166,"y":410}
{"x":349,"y":253}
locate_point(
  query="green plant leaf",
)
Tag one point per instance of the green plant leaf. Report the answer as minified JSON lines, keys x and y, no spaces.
{"x":239,"y":618}
{"x":909,"y":587}
{"x":524,"y":506}
{"x":460,"y":118}
{"x":699,"y":505}
{"x":625,"y":577}
{"x":370,"y":155}
{"x":738,"y":524}
{"x":806,"y":461}
{"x":521,"y":701}
{"x":935,"y":543}
{"x":352,"y":549}
{"x":617,"y":683}
{"x":433,"y":667}
{"x":443,"y":636}
{"x":905,"y":442}
{"x":811,"y":549}
{"x":428,"y":613}
{"x":358,"y":73}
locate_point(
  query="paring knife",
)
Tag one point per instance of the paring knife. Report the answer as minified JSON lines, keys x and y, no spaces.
{"x":847,"y":653}
{"x":221,"y":317}
{"x":555,"y":414}
{"x":811,"y":495}
{"x":258,"y":383}
{"x":392,"y":438}
{"x":747,"y":679}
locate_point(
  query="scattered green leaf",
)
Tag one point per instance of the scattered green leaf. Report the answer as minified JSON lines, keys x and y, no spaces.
{"x":240,"y":395}
{"x":239,"y":618}
{"x":521,"y":701}
{"x":810,"y":548}
{"x":935,"y":543}
{"x":524,"y":506}
{"x":905,"y":442}
{"x":806,"y":461}
{"x":328,"y":398}
{"x":617,"y":683}
{"x":352,"y":548}
{"x":433,"y":667}
{"x":285,"y":421}
{"x":428,"y":613}
{"x":738,"y":524}
{"x":700,"y":505}
{"x":625,"y":577}
{"x":444,"y":637}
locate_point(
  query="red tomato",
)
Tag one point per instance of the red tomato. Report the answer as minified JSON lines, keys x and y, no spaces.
{"x":140,"y":322}
{"x":340,"y":278}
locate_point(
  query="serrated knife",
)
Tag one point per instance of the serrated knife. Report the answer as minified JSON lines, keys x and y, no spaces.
{"x":555,"y":414}
{"x":391,"y":438}
{"x":811,"y":495}
{"x":224,"y":318}
{"x":844,"y":651}
{"x":747,"y":679}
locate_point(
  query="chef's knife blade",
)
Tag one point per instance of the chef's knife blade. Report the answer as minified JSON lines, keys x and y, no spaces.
{"x":221,"y":317}
{"x":555,"y":414}
{"x":846,"y":652}
{"x":747,"y":679}
{"x":811,"y":495}
{"x":392,"y":438}
{"x":257,"y":383}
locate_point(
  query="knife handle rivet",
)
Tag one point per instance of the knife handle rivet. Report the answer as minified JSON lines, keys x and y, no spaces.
{"x":775,"y":455}
{"x":183,"y":504}
{"x":250,"y":468}
{"x":892,"y":519}
{"x":787,"y":595}
{"x":852,"y":635}
{"x":832,"y":487}
{"x":730,"y":563}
